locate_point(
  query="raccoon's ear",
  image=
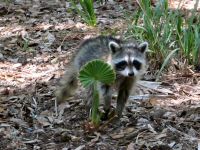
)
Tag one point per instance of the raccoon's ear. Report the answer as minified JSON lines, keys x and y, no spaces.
{"x":113,"y":46}
{"x":143,"y":47}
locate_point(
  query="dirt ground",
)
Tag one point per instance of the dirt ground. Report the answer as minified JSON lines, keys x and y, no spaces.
{"x":37,"y":40}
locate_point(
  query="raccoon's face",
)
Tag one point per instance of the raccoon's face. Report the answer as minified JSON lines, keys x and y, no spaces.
{"x":128,"y":59}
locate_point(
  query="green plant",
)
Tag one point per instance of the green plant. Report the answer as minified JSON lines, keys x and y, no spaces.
{"x":86,"y":12}
{"x":189,"y":38}
{"x":6,"y":1}
{"x":91,"y":74}
{"x":25,"y":45}
{"x":166,"y":62}
{"x":166,"y":30}
{"x":157,"y":27}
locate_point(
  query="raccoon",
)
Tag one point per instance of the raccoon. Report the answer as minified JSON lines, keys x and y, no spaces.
{"x":127,"y":58}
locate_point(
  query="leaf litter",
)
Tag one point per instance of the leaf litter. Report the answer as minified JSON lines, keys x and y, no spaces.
{"x":38,"y":39}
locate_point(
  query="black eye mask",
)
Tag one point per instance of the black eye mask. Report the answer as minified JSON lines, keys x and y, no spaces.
{"x":121,"y":65}
{"x":137,"y":64}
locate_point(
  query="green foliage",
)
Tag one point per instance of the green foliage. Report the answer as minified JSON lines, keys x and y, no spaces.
{"x":96,"y":70}
{"x":166,"y":62}
{"x":166,"y":30}
{"x":86,"y":12}
{"x":25,"y":45}
{"x":90,"y":75}
{"x":6,"y":1}
{"x":189,"y":40}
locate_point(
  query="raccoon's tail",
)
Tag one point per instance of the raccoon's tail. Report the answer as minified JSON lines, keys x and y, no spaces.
{"x":68,"y":85}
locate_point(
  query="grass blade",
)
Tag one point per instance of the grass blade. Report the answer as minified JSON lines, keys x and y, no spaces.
{"x":166,"y":62}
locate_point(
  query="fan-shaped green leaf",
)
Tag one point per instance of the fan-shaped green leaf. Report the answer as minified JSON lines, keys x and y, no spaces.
{"x":96,"y":70}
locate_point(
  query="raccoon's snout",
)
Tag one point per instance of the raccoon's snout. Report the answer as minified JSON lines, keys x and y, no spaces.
{"x":131,"y":74}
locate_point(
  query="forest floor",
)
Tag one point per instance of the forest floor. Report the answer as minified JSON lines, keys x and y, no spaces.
{"x":37,"y":40}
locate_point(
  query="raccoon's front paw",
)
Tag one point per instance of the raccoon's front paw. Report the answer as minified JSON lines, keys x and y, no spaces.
{"x":107,"y":114}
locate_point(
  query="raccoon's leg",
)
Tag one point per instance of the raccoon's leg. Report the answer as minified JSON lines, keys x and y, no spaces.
{"x":68,"y":85}
{"x":88,"y":99}
{"x":123,"y":94}
{"x":107,"y":96}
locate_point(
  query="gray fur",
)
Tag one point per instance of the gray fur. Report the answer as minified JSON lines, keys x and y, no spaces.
{"x":112,"y":51}
{"x":68,"y":85}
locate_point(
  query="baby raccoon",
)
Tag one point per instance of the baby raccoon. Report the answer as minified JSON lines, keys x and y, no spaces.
{"x":127,"y":58}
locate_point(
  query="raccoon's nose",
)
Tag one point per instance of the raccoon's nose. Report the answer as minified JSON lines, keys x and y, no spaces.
{"x":130,"y":74}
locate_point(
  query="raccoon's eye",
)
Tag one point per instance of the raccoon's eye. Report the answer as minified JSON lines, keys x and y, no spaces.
{"x":137,"y":64}
{"x":121,"y":65}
